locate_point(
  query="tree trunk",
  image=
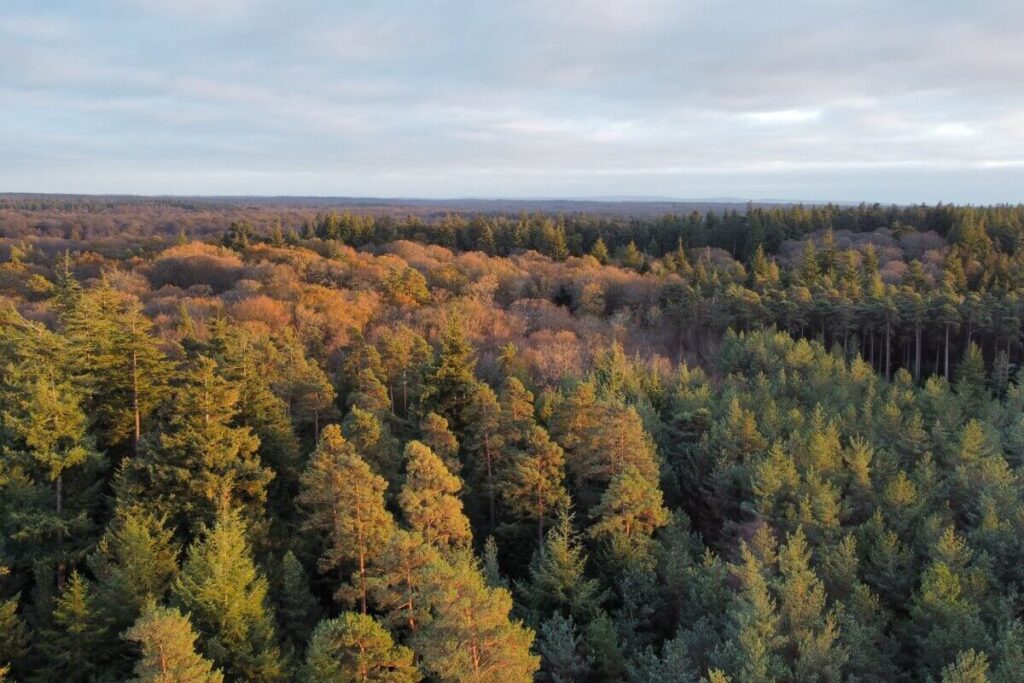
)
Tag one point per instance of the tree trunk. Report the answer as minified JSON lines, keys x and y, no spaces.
{"x":917,"y":352}
{"x":947,"y":352}
{"x":135,"y":399}
{"x":888,"y":351}
{"x":60,"y":531}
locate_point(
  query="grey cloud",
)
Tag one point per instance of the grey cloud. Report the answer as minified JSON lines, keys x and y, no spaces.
{"x":845,"y":100}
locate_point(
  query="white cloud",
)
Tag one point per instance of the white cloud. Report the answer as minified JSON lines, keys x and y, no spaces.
{"x":782,"y":116}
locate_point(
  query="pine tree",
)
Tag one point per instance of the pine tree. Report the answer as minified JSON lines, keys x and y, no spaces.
{"x":600,"y":252}
{"x":484,"y":446}
{"x":398,"y":583}
{"x":558,"y":582}
{"x":374,"y":442}
{"x":344,"y":504}
{"x":811,"y":633}
{"x":200,"y":458}
{"x":72,"y":644}
{"x":354,"y":647}
{"x":221,"y":589}
{"x":167,"y":649}
{"x":51,"y":467}
{"x":470,"y":637}
{"x":561,"y":651}
{"x":450,"y":387}
{"x":629,"y":513}
{"x":429,"y":499}
{"x":14,"y":638}
{"x":944,"y":618}
{"x":435,"y":434}
{"x":119,"y":362}
{"x":632,"y":258}
{"x":532,"y":488}
{"x":970,"y":381}
{"x":134,"y":564}
{"x":970,"y":667}
{"x":297,"y":608}
{"x":755,"y":624}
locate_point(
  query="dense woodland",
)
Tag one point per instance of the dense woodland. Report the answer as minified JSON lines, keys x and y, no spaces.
{"x":273,"y":443}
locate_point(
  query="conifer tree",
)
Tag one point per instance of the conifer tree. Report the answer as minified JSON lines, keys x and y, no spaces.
{"x":14,"y":638}
{"x":470,"y":636}
{"x":600,"y":252}
{"x":532,"y":488}
{"x":374,"y":442}
{"x":969,"y":667}
{"x":134,"y":564}
{"x":354,"y":647}
{"x":225,"y":594}
{"x":811,"y":633}
{"x":484,"y":445}
{"x":630,"y":511}
{"x":450,"y":387}
{"x":71,"y":644}
{"x":562,"y":651}
{"x":119,"y":363}
{"x":344,"y":504}
{"x":167,"y":649}
{"x":398,"y":584}
{"x":558,"y":582}
{"x":429,"y":499}
{"x":51,"y":466}
{"x":200,"y":458}
{"x":297,"y":608}
{"x":435,"y":434}
{"x":755,"y":624}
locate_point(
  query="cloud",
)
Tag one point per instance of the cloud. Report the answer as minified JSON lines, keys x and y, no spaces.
{"x":579,"y":97}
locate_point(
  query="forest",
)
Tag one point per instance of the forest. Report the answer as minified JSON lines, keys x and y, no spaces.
{"x":270,"y":442}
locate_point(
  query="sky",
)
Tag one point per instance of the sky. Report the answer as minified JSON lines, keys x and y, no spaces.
{"x":845,"y":100}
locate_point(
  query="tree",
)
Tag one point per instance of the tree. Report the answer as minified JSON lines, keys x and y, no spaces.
{"x":119,"y":362}
{"x":167,"y":647}
{"x":429,"y":499}
{"x":944,"y":618}
{"x":374,"y":442}
{"x":226,"y":596}
{"x":755,"y":624}
{"x":632,"y":258}
{"x":600,"y":252}
{"x":533,"y":487}
{"x":561,"y":651}
{"x":970,"y":667}
{"x":435,"y":434}
{"x":558,"y":582}
{"x":470,"y":638}
{"x":450,"y":387}
{"x":484,"y":445}
{"x":398,"y":584}
{"x":134,"y":564}
{"x":14,"y":638}
{"x":297,"y":608}
{"x":811,"y":633}
{"x":199,"y":459}
{"x":72,"y":644}
{"x":629,"y":512}
{"x":354,"y":647}
{"x":51,"y":463}
{"x":344,"y":504}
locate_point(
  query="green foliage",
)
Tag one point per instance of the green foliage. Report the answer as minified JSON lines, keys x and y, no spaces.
{"x":225,"y":594}
{"x":344,"y":504}
{"x":167,"y":654}
{"x":470,"y":636}
{"x":429,"y":499}
{"x":354,"y":647}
